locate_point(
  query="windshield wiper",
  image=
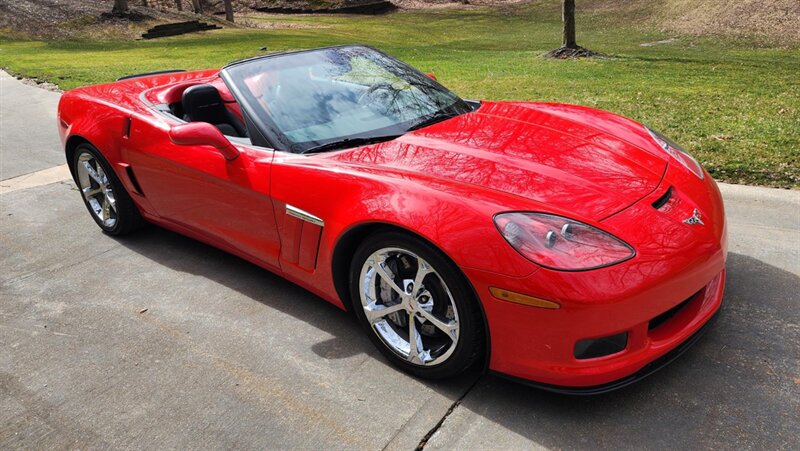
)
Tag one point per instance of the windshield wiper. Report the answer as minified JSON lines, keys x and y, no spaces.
{"x":351,"y":142}
{"x":439,"y":116}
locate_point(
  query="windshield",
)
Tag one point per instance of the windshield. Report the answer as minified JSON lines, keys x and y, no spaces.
{"x":316,"y":99}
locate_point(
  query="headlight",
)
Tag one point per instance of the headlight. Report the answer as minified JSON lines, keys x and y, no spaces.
{"x":677,"y":152}
{"x":560,"y":243}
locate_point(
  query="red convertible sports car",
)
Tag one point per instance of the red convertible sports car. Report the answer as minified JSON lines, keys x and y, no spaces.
{"x":568,"y":247}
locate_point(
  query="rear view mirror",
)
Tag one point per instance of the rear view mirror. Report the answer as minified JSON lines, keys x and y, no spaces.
{"x":203,"y":134}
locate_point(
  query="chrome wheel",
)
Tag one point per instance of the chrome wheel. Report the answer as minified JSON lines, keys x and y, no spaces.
{"x":409,"y":306}
{"x":96,"y":189}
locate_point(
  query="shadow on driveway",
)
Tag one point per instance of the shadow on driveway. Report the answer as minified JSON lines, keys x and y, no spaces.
{"x":738,"y":387}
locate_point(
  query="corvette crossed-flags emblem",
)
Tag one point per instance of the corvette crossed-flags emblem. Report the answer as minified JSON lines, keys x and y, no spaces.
{"x":695,"y":218}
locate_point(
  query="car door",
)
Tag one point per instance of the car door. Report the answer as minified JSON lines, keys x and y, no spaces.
{"x":227,"y":202}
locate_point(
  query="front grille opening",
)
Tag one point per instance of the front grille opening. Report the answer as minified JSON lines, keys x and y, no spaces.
{"x":601,"y":347}
{"x":666,"y":316}
{"x":661,"y":201}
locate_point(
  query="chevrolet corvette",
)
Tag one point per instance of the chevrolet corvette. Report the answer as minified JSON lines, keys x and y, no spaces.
{"x":563,"y":246}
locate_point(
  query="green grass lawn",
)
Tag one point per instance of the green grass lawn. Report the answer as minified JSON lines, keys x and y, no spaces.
{"x":733,"y":104}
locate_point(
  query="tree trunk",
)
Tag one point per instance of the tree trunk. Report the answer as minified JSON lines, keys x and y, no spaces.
{"x":120,"y":7}
{"x":569,"y":45}
{"x":228,"y":10}
{"x":179,"y":5}
{"x":198,"y":8}
{"x":568,"y":16}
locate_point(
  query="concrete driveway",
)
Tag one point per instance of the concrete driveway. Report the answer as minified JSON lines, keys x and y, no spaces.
{"x":158,"y":341}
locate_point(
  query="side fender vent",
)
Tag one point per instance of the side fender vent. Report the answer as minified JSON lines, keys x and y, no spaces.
{"x":126,"y":128}
{"x":134,"y":182}
{"x":300,"y":237}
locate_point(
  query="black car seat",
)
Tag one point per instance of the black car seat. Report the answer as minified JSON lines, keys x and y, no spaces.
{"x":202,"y":103}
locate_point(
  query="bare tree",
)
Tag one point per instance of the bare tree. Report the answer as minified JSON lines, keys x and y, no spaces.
{"x":198,"y":7}
{"x":569,"y":44}
{"x":179,"y":5}
{"x":228,"y":10}
{"x":120,"y":7}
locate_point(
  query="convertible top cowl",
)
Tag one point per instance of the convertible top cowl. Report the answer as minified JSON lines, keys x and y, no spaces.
{"x":137,"y":93}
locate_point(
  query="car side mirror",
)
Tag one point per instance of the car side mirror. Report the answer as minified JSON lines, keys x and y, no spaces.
{"x":203,"y":134}
{"x":431,"y":76}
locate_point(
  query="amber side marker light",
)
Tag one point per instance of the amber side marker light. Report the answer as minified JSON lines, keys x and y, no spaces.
{"x":523,"y":299}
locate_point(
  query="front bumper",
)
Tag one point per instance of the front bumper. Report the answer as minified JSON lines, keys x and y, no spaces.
{"x":661,"y":299}
{"x":647,"y":370}
{"x":539,"y":345}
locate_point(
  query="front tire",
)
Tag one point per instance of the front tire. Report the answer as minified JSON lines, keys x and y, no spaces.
{"x":416,"y":305}
{"x":103,"y":194}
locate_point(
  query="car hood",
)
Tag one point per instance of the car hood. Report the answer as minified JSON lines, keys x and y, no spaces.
{"x":571,"y":159}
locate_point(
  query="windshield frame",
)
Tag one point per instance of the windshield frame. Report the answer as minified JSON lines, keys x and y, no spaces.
{"x":268,"y":134}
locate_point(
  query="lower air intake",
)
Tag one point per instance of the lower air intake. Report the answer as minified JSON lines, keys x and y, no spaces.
{"x":601,"y":347}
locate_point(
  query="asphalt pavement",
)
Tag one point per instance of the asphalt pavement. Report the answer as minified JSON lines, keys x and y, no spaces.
{"x":27,"y":128}
{"x":158,"y":341}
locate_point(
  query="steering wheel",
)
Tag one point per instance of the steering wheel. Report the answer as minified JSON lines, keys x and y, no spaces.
{"x":385,"y":86}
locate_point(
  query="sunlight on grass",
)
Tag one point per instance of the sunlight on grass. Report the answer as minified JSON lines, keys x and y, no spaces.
{"x":736,"y":107}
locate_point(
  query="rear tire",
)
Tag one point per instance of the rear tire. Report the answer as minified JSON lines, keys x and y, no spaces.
{"x":433,"y":330}
{"x":103,"y":194}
